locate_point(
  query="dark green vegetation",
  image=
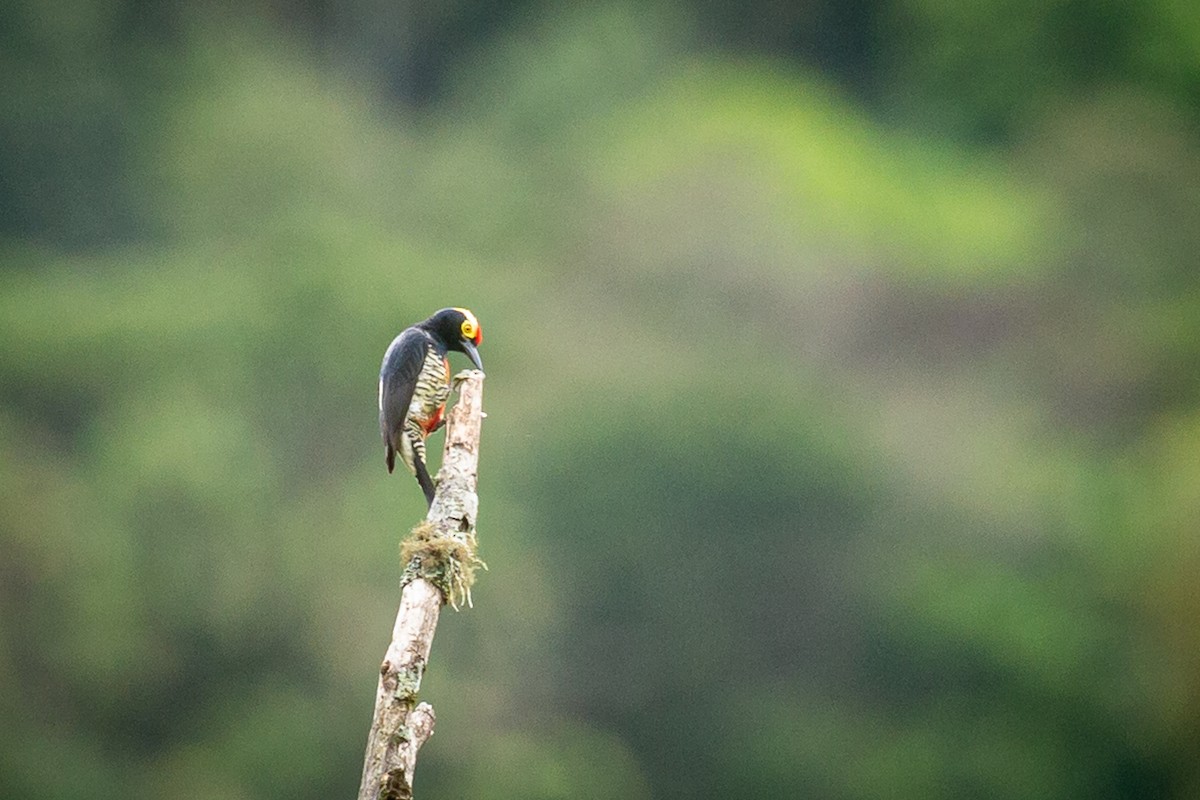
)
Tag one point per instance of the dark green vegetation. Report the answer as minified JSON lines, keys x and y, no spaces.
{"x":844,"y":411}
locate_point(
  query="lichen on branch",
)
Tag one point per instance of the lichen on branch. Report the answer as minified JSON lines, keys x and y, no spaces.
{"x":448,"y":560}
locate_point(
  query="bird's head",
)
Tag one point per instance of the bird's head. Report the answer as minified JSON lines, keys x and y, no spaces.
{"x":459,"y":330}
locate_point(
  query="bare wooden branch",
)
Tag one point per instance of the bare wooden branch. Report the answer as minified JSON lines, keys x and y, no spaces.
{"x":440,"y":568}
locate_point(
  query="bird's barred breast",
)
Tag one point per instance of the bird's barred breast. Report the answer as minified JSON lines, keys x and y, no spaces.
{"x":432,"y":390}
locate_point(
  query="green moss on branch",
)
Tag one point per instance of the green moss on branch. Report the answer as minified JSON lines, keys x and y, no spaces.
{"x":447,"y":560}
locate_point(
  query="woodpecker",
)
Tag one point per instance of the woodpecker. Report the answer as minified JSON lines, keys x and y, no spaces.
{"x":414,"y":384}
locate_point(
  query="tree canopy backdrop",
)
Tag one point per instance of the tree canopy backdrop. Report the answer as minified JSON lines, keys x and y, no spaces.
{"x":843,"y":414}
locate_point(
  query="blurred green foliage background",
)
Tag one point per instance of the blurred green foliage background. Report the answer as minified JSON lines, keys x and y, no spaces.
{"x":844,"y":417}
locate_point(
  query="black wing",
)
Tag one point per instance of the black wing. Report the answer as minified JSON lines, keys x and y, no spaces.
{"x":397,"y":379}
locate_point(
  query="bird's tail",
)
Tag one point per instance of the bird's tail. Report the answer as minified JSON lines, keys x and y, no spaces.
{"x":424,"y":479}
